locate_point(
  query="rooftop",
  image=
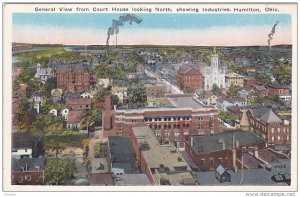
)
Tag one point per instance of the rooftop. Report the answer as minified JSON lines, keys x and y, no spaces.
{"x":214,"y":143}
{"x":28,"y":164}
{"x":186,"y":69}
{"x":122,"y":154}
{"x":25,"y":140}
{"x":265,"y":114}
{"x":164,"y":158}
{"x":132,"y":180}
{"x":233,"y":75}
{"x":185,"y":101}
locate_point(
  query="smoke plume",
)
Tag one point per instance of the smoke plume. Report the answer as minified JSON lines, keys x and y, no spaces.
{"x":116,"y":24}
{"x":272,"y":33}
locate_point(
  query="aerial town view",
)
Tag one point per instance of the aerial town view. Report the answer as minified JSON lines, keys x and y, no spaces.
{"x":121,"y":100}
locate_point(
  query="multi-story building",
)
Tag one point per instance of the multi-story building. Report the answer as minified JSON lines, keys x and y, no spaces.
{"x":74,"y":77}
{"x":234,"y":79}
{"x":250,"y":82}
{"x":171,"y":124}
{"x":189,"y":77}
{"x":222,"y":149}
{"x":79,"y":103}
{"x":43,"y":74}
{"x":214,"y":73}
{"x":267,"y":124}
{"x":163,"y":165}
{"x":283,"y":91}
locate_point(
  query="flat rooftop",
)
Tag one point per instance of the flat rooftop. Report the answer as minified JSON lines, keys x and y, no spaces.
{"x":185,"y":101}
{"x":164,"y":158}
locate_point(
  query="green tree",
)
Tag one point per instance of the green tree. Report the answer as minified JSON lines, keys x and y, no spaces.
{"x":137,"y":95}
{"x":24,"y":115}
{"x":92,"y":117}
{"x":59,"y":171}
{"x":215,"y":89}
{"x":283,"y":74}
{"x":189,"y":90}
{"x":233,"y":90}
{"x":114,"y":100}
{"x":49,"y":85}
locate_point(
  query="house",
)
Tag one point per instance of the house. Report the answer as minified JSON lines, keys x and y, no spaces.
{"x":69,"y":95}
{"x":37,"y":100}
{"x":86,"y":95}
{"x":224,"y":103}
{"x":74,"y":119}
{"x":27,"y":145}
{"x":121,"y":92}
{"x":56,"y":95}
{"x":283,"y":91}
{"x":79,"y":103}
{"x":266,"y":123}
{"x":65,"y":113}
{"x":210,"y":100}
{"x":208,"y":152}
{"x":43,"y":74}
{"x":104,"y":82}
{"x":189,"y":77}
{"x":250,"y":82}
{"x":234,"y":79}
{"x":53,"y":111}
{"x":222,"y":175}
{"x":261,"y":90}
{"x":28,"y":171}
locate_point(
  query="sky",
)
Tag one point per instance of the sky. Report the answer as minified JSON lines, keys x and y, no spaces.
{"x":155,"y":29}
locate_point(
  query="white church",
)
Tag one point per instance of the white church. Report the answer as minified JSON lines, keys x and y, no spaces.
{"x":215,"y":73}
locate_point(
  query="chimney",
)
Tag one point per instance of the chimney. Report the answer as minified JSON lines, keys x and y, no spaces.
{"x":107,"y":113}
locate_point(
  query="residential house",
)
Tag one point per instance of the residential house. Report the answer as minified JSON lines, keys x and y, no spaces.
{"x":224,"y":103}
{"x":234,"y":79}
{"x":74,"y":118}
{"x":26,"y":145}
{"x":250,"y":82}
{"x":56,"y":95}
{"x":189,"y":77}
{"x":79,"y":103}
{"x":53,"y":111}
{"x":70,"y":95}
{"x":86,"y":95}
{"x":261,"y":90}
{"x":43,"y":74}
{"x":283,"y":91}
{"x":28,"y":171}
{"x":266,"y":123}
{"x":65,"y":113}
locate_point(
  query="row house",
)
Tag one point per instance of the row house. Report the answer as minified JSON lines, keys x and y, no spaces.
{"x":267,"y":124}
{"x":171,"y":124}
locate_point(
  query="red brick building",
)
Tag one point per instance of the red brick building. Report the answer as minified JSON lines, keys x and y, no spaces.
{"x":171,"y":124}
{"x":208,"y":152}
{"x":79,"y":103}
{"x":27,"y":171}
{"x":74,"y":77}
{"x":267,"y":124}
{"x":250,"y":82}
{"x":189,"y":77}
{"x":275,"y":89}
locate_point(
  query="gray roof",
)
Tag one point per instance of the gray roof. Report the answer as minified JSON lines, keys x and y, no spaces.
{"x":265,"y":114}
{"x":44,"y":71}
{"x":25,"y":140}
{"x":258,"y":176}
{"x":28,"y":164}
{"x":185,"y":100}
{"x":186,"y":68}
{"x":133,"y":180}
{"x":122,"y":154}
{"x":75,"y":67}
{"x":213,"y":143}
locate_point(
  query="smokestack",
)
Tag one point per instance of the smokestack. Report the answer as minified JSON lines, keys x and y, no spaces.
{"x":116,"y":41}
{"x":117,"y":23}
{"x":270,"y":35}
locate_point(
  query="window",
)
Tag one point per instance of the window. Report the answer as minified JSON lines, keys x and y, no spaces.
{"x":278,"y":138}
{"x":167,"y":134}
{"x":220,"y":160}
{"x":186,"y":133}
{"x":28,"y":178}
{"x":278,"y":130}
{"x":176,"y":133}
{"x":201,"y":118}
{"x":202,"y":162}
{"x":20,"y":180}
{"x":272,"y":130}
{"x":211,"y":161}
{"x":157,"y":134}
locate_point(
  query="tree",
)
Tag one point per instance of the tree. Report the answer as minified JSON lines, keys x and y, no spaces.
{"x":59,"y":171}
{"x":189,"y":90}
{"x":92,"y":117}
{"x":215,"y":89}
{"x":49,"y":85}
{"x":283,"y":74}
{"x":24,"y":115}
{"x":114,"y":100}
{"x":233,"y":90}
{"x":137,"y":95}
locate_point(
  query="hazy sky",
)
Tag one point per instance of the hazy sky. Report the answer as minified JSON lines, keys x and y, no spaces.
{"x":166,"y":29}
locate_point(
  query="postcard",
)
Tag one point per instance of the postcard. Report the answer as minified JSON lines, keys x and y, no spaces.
{"x":150,"y":97}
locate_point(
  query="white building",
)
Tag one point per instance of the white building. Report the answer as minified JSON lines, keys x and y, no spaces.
{"x":86,"y":95}
{"x":215,"y":73}
{"x":65,"y":113}
{"x":54,"y":112}
{"x":21,"y":153}
{"x":43,"y":73}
